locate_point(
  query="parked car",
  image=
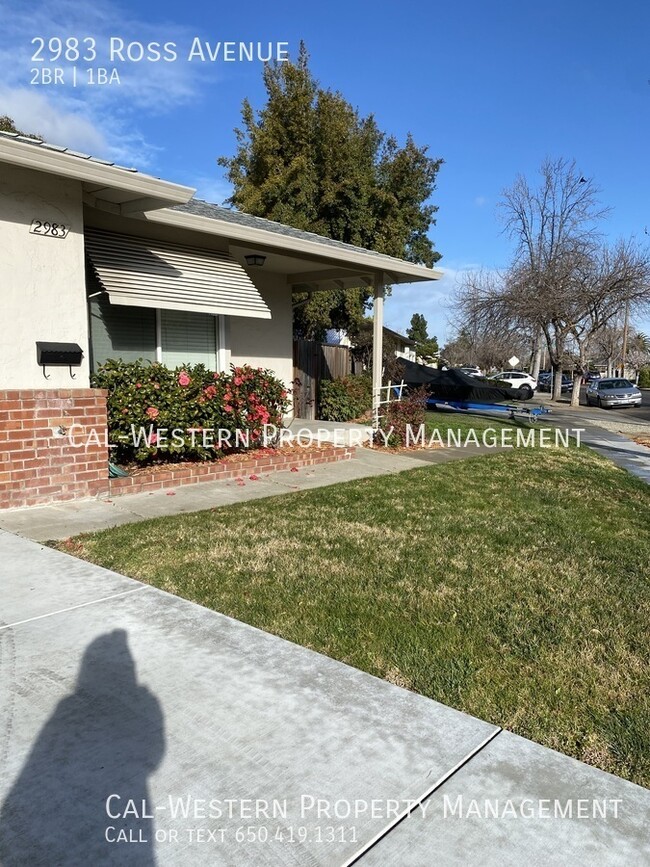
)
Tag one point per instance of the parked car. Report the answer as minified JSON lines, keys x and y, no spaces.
{"x":471,"y":371}
{"x":613,"y":392}
{"x":524,"y":382}
{"x":592,"y":376}
{"x":545,"y":380}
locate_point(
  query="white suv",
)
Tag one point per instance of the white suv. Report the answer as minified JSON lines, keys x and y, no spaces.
{"x":524,"y":382}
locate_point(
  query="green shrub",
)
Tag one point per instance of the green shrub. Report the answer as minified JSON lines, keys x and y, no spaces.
{"x":398,"y":416}
{"x":644,"y":377}
{"x":187,"y":413}
{"x":345,"y":399}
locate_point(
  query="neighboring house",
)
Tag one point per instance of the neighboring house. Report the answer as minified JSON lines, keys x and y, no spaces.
{"x":125,"y":265}
{"x":405,"y":347}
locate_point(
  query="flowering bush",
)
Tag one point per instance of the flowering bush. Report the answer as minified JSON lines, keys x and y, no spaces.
{"x":187,"y":413}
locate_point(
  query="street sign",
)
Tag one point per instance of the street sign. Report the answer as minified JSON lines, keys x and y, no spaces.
{"x":514,"y":361}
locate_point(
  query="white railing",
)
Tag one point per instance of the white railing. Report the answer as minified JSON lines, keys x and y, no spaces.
{"x":393,"y":392}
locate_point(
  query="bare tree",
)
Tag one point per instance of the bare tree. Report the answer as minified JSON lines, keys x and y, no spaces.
{"x":486,"y":320}
{"x":612,"y":280}
{"x":554,"y":227}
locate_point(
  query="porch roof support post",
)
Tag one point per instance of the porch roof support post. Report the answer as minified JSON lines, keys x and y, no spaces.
{"x":377,"y":345}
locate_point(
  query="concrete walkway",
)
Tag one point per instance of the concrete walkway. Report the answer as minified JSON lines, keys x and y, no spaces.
{"x":621,"y":450}
{"x":62,"y":520}
{"x":141,"y":729}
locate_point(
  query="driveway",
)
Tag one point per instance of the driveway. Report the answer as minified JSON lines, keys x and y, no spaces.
{"x":138,"y":728}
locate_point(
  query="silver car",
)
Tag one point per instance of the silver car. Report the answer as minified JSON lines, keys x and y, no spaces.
{"x":613,"y":392}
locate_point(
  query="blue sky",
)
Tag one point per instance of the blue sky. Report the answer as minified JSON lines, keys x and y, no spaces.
{"x":492,"y":88}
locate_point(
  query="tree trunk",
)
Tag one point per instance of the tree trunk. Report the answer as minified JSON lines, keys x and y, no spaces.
{"x":575,"y":392}
{"x":537,"y":355}
{"x":557,"y":380}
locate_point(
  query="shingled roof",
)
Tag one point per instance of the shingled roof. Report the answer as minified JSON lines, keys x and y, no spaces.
{"x":215,"y":212}
{"x":47,"y":146}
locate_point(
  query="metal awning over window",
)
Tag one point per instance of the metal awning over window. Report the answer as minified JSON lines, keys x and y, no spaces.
{"x":142,"y":272}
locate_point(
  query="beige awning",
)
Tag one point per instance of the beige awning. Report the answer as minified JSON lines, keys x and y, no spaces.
{"x":142,"y":272}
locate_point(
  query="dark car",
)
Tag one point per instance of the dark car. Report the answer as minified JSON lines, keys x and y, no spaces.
{"x":545,"y":380}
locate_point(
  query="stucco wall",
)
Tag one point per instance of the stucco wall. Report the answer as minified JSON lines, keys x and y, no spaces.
{"x":42,"y":290}
{"x":266,"y":342}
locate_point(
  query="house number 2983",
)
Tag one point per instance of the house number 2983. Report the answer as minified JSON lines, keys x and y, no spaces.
{"x":52,"y":230}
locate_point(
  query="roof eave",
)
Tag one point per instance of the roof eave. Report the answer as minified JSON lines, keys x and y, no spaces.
{"x":89,"y":171}
{"x":397,"y":270}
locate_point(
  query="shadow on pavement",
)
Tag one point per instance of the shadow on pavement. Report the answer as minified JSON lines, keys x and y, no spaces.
{"x":103,"y":739}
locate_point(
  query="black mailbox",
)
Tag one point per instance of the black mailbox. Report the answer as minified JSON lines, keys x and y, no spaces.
{"x":66,"y":354}
{"x":58,"y":354}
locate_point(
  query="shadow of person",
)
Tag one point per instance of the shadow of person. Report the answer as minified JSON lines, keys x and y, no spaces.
{"x":81,"y":796}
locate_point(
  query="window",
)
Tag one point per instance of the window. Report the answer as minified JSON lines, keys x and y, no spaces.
{"x":188,"y":338}
{"x":175,"y":337}
{"x":128,"y":333}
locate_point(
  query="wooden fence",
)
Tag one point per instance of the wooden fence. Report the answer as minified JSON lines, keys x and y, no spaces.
{"x":313,"y":362}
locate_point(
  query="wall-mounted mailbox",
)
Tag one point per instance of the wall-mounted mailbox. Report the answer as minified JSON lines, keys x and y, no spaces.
{"x":59,"y":355}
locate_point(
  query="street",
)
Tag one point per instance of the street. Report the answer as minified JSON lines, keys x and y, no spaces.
{"x":626,"y":415}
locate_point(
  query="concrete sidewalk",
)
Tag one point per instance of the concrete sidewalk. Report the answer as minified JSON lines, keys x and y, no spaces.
{"x":59,"y":521}
{"x":620,"y":449}
{"x":141,"y":729}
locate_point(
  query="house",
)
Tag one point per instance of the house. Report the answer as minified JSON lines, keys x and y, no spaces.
{"x":102,"y":261}
{"x":404,"y":346}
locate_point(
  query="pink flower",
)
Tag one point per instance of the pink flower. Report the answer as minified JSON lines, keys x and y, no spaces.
{"x":152,"y":412}
{"x":238,"y":380}
{"x":227,"y":408}
{"x":153,"y":439}
{"x":210,"y":391}
{"x":138,"y":385}
{"x":183,"y":378}
{"x":283,"y":394}
{"x":254,"y":478}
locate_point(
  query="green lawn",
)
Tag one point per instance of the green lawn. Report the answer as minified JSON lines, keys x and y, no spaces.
{"x":513,"y":587}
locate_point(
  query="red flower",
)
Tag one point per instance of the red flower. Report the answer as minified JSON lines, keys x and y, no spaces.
{"x":254,"y":478}
{"x":183,"y":378}
{"x":152,"y":412}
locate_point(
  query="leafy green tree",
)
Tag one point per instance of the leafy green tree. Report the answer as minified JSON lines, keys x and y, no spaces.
{"x":309,"y":160}
{"x":7,"y":125}
{"x":425,"y":346}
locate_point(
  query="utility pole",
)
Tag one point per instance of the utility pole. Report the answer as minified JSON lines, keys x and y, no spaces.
{"x":625,"y":330}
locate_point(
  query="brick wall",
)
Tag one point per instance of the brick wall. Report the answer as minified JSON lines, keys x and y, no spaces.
{"x":39,"y":462}
{"x":190,"y":474}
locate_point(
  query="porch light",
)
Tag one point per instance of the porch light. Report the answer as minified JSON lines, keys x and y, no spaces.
{"x":255,"y":260}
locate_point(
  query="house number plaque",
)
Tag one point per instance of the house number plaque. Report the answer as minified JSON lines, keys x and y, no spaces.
{"x":52,"y":230}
